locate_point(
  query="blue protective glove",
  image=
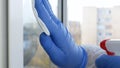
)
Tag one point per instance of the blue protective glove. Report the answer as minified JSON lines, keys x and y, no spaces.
{"x":60,"y":46}
{"x":106,"y":61}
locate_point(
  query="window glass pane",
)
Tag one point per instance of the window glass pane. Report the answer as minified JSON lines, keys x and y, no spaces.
{"x":34,"y":55}
{"x":91,"y":21}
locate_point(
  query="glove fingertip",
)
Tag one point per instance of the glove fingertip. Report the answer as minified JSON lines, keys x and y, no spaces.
{"x":44,"y":40}
{"x":42,"y":36}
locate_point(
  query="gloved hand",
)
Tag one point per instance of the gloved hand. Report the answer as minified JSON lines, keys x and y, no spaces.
{"x":60,"y":46}
{"x":106,"y":61}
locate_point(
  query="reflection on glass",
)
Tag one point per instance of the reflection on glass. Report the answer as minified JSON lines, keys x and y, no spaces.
{"x":34,"y":55}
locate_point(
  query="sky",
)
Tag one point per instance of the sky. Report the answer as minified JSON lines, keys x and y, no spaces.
{"x":75,"y":8}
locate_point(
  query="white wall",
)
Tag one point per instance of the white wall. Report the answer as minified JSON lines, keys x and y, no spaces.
{"x":88,"y":34}
{"x":3,"y":35}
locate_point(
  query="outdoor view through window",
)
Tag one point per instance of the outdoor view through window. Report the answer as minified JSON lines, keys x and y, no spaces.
{"x":34,"y":55}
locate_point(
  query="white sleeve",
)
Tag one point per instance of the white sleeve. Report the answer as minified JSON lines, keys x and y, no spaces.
{"x":93,"y":53}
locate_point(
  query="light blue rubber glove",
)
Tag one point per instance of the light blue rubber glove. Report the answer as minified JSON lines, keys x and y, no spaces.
{"x":60,"y":46}
{"x":106,"y":61}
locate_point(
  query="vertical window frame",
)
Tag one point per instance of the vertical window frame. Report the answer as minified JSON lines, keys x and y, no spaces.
{"x":15,"y":34}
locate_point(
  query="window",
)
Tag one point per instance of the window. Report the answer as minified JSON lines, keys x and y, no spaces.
{"x":85,"y":15}
{"x":34,"y":55}
{"x":87,"y":18}
{"x":74,"y":19}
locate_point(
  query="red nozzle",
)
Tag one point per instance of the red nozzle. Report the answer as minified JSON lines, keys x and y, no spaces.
{"x":103,"y":46}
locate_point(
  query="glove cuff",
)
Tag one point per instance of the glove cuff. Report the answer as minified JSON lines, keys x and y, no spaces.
{"x":84,"y":59}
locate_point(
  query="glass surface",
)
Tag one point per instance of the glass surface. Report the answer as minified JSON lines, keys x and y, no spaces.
{"x":34,"y":55}
{"x":85,"y":24}
{"x":91,"y":21}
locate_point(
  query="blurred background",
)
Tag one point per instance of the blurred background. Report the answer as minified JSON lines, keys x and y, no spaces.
{"x":89,"y":22}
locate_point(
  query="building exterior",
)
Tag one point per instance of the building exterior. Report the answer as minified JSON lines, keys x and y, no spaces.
{"x":88,"y":28}
{"x":99,"y":24}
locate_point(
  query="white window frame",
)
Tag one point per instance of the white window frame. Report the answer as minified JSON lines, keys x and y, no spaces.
{"x":15,"y":32}
{"x":15,"y":36}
